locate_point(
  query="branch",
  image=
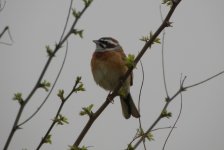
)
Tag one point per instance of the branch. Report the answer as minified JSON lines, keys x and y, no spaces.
{"x":6,"y":29}
{"x":166,"y":23}
{"x":178,"y":117}
{"x":139,"y":101}
{"x":55,"y":81}
{"x":206,"y":80}
{"x":46,"y":138}
{"x":180,"y":90}
{"x":57,"y":47}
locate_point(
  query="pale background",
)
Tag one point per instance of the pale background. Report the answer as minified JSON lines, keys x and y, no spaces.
{"x":193,"y":47}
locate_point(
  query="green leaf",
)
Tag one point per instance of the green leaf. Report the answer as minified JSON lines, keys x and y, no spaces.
{"x":149,"y":136}
{"x":61,"y":94}
{"x":76,"y":14}
{"x":78,"y":32}
{"x":45,"y":85}
{"x":130,"y":61}
{"x":148,"y":37}
{"x":79,"y":88}
{"x":49,"y":51}
{"x":18,"y":97}
{"x":166,"y":114}
{"x":79,"y":84}
{"x":87,"y":110}
{"x":167,"y":2}
{"x":48,"y":139}
{"x":130,"y":147}
{"x":87,"y":2}
{"x":61,"y":120}
{"x":77,"y":148}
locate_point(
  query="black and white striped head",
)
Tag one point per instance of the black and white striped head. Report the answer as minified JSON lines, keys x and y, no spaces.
{"x":106,"y":44}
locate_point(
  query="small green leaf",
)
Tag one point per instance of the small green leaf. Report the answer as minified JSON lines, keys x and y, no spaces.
{"x":49,"y":51}
{"x":149,"y":136}
{"x":148,"y":37}
{"x":76,"y":14}
{"x":18,"y":97}
{"x":79,"y":88}
{"x":166,"y":114}
{"x":61,"y":120}
{"x":79,"y":84}
{"x":140,"y":132}
{"x":78,"y":32}
{"x":130,"y":147}
{"x":130,"y":61}
{"x":167,"y":2}
{"x":87,"y":2}
{"x":45,"y":85}
{"x":48,"y":139}
{"x":77,"y":148}
{"x":87,"y":110}
{"x":61,"y":94}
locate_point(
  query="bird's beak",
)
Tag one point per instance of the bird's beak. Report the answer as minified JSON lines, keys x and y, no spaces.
{"x":96,"y":41}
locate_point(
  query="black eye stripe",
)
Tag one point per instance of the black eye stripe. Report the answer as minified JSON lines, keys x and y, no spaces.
{"x":108,"y":44}
{"x":102,"y":45}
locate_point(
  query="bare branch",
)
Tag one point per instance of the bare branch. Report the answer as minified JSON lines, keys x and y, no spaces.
{"x":6,"y":29}
{"x":139,"y":100}
{"x":178,"y":117}
{"x":208,"y":79}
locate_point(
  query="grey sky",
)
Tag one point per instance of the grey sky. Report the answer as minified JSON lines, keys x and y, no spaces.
{"x":193,"y":47}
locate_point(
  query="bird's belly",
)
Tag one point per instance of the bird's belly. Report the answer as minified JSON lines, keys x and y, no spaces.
{"x":106,"y":78}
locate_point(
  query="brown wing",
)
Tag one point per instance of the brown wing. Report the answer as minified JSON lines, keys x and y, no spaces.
{"x":123,"y":57}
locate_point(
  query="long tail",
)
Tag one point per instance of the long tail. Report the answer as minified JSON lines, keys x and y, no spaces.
{"x":128,"y":107}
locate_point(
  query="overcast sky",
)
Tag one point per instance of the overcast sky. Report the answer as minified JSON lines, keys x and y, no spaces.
{"x":193,"y":47}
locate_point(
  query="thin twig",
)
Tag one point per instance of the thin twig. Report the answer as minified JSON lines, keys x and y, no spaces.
{"x":56,"y":116}
{"x":6,"y":29}
{"x":181,"y":89}
{"x":139,"y":101}
{"x":67,"y":19}
{"x":163,"y":66}
{"x":111,"y":96}
{"x":156,"y":129}
{"x":163,"y":62}
{"x":199,"y":83}
{"x":54,"y":83}
{"x":159,"y":117}
{"x":178,"y":117}
{"x":57,"y":47}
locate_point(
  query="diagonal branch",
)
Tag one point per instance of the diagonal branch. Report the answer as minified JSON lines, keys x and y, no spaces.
{"x":166,"y":23}
{"x":36,"y":86}
{"x":180,"y":90}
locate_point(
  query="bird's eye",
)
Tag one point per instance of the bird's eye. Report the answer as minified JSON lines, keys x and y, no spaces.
{"x":102,"y":45}
{"x":108,"y":44}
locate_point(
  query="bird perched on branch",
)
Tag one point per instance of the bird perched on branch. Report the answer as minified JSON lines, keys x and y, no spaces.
{"x":108,"y":67}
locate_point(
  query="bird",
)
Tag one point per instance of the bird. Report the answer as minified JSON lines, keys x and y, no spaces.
{"x":108,"y":67}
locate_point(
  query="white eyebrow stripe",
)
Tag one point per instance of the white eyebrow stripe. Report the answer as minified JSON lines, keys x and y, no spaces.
{"x":109,"y":41}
